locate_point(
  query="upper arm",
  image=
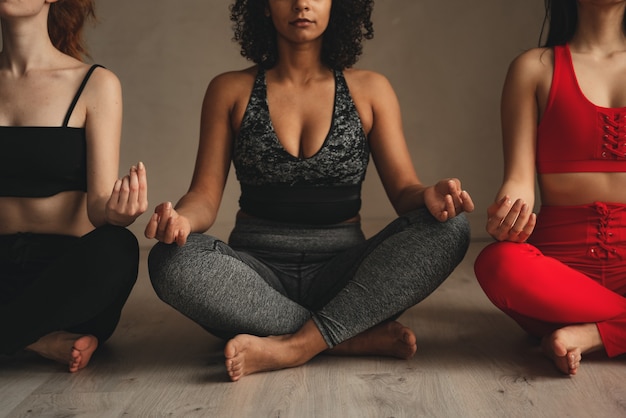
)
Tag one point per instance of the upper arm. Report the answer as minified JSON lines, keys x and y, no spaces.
{"x":221,"y":102}
{"x":103,"y":124}
{"x":380,"y":111}
{"x":519,"y":119}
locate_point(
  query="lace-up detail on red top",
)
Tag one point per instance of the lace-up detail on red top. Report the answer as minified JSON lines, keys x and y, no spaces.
{"x":614,"y":137}
{"x":575,"y":135}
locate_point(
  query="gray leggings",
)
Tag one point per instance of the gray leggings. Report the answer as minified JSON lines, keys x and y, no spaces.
{"x":273,"y":277}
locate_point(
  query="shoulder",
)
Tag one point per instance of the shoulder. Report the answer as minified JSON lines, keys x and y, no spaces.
{"x":529,"y":79}
{"x":233,"y":82}
{"x":103,"y":77}
{"x":228,"y":93}
{"x":360,"y":81}
{"x":534,"y":64}
{"x":369,"y":88}
{"x":102,"y":83}
{"x":373,"y":97}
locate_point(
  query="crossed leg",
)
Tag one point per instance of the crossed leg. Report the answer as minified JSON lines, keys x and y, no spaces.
{"x":247,"y":354}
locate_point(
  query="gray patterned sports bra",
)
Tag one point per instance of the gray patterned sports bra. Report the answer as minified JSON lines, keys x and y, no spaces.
{"x":322,"y":189}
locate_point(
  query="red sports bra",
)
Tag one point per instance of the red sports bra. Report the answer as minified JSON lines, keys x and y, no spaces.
{"x":575,"y":135}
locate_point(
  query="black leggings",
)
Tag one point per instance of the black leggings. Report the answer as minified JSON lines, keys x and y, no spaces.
{"x":54,"y":283}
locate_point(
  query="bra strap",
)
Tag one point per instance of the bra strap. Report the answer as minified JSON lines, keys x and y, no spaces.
{"x":78,"y":93}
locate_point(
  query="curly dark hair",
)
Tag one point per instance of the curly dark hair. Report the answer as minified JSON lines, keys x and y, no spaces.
{"x":350,"y":23}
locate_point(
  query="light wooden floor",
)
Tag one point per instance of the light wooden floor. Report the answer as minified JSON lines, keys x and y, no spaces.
{"x":472,"y":362}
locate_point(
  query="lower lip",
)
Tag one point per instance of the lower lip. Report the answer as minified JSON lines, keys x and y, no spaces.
{"x":302,"y":24}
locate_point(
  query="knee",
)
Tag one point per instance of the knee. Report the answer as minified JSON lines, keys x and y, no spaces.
{"x":119,"y":241}
{"x":459,"y":230}
{"x":170,"y":266}
{"x":112,"y":249}
{"x":452,"y":236}
{"x":161,"y":261}
{"x":443,"y":243}
{"x":498,"y":264}
{"x":492,"y":256}
{"x":455,"y":231}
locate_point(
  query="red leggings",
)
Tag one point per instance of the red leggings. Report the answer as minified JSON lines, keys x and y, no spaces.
{"x":572,"y":271}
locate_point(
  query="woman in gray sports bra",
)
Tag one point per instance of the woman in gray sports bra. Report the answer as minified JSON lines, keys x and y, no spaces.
{"x":298,"y":277}
{"x":67,"y":262}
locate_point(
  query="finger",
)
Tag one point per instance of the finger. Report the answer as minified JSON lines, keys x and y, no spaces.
{"x":124,"y":192}
{"x":468,"y":203}
{"x":181,"y":238}
{"x":522,"y":237}
{"x":133,"y":184}
{"x":528,"y":228}
{"x":450,"y":206}
{"x":442,"y":216}
{"x":520,"y":229}
{"x":499,"y":209}
{"x":522,"y":219}
{"x":171,"y":231}
{"x":115,"y":193}
{"x":151,"y":228}
{"x":454,"y":187}
{"x":143,"y":185}
{"x":496,"y":214}
{"x":503,"y":230}
{"x":511,"y":217}
{"x":166,"y":214}
{"x":159,"y":209}
{"x":462,"y":202}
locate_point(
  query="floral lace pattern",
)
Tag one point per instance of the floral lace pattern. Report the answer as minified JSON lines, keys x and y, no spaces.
{"x":260,"y":158}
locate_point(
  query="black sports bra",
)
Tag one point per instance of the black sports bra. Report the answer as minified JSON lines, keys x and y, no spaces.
{"x":322,"y":189}
{"x":41,"y":161}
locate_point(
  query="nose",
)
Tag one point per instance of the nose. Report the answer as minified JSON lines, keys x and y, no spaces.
{"x":301,"y":5}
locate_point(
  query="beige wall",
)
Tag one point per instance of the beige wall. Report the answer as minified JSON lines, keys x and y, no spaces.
{"x":446,"y":59}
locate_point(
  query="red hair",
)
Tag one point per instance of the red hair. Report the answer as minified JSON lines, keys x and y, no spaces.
{"x":65,"y":25}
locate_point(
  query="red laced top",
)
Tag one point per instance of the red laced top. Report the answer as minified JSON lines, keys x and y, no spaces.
{"x":575,"y":135}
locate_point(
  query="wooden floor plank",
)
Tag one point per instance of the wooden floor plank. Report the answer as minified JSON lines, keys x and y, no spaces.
{"x":472,"y":361}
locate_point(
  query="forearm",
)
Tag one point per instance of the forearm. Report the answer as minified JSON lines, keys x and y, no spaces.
{"x":409,"y":199}
{"x":516,"y":190}
{"x":96,"y":210}
{"x":99,"y":215}
{"x":200,"y":214}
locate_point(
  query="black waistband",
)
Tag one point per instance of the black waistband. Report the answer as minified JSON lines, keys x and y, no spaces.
{"x":302,"y":204}
{"x":28,"y":246}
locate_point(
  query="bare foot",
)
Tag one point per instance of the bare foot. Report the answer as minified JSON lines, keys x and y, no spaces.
{"x":246,"y":354}
{"x":72,"y":349}
{"x":390,"y":339}
{"x":565,"y":346}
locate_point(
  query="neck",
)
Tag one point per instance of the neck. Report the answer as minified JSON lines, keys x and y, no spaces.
{"x":26,"y":44}
{"x":600,"y":28}
{"x":301,"y":62}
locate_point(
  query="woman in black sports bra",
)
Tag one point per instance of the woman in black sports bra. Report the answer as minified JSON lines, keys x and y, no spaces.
{"x":298,"y":277}
{"x":67,"y":262}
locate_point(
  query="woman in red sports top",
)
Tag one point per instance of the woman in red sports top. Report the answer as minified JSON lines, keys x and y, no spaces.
{"x":560,"y":274}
